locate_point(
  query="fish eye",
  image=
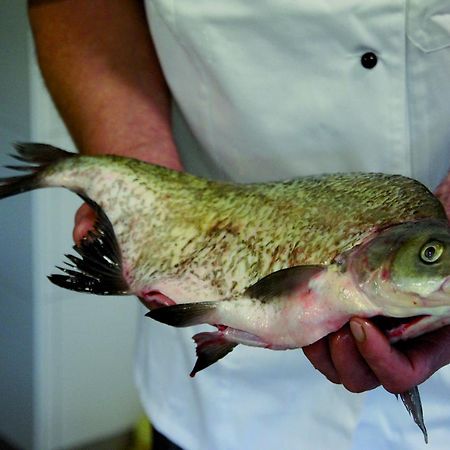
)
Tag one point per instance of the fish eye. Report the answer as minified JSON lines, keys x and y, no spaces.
{"x":431,"y":252}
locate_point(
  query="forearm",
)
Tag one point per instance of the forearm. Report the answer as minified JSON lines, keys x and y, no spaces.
{"x":101,"y":68}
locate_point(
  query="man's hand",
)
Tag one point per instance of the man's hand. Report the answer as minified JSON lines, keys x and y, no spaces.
{"x":361,"y":358}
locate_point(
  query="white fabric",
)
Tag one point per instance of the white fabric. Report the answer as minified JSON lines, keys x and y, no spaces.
{"x":274,"y":89}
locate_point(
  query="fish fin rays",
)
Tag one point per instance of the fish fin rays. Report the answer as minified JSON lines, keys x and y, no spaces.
{"x":98,"y":268}
{"x":184,"y":314}
{"x":37,"y":157}
{"x":413,"y":404}
{"x":282,"y":282}
{"x":211,"y":346}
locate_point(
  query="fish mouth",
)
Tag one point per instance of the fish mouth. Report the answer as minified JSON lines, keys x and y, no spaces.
{"x":395,"y":327}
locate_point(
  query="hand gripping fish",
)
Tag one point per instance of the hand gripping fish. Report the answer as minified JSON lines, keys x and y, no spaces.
{"x":274,"y":265}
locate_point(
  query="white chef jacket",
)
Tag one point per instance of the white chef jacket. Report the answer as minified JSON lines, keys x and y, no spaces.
{"x":274,"y":89}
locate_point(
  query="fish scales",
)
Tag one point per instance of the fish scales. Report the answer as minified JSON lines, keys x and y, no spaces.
{"x":168,"y":224}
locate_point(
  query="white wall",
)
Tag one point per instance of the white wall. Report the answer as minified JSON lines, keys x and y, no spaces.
{"x":65,"y":358}
{"x":16,"y":302}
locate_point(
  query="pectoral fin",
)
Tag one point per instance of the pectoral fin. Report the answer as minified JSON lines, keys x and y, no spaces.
{"x":413,"y":404}
{"x":283,"y":282}
{"x":184,"y":314}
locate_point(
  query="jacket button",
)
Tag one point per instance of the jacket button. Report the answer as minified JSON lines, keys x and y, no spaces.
{"x":369,"y":60}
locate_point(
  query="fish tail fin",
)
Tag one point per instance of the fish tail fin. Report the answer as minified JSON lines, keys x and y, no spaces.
{"x":37,"y":157}
{"x":184,"y":314}
{"x":211,"y":346}
{"x":98,"y":268}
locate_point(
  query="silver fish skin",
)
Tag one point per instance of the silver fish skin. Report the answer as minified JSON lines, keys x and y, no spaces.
{"x":294,"y":307}
{"x":276,"y":265}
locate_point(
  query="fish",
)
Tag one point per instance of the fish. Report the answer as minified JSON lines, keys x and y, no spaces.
{"x":277,"y":265}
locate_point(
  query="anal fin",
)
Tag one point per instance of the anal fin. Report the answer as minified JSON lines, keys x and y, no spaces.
{"x":211,"y":346}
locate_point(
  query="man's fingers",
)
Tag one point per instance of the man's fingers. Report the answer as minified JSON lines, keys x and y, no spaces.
{"x":319,"y":356}
{"x":352,"y":369}
{"x":84,"y":221}
{"x":361,"y":358}
{"x":429,"y":352}
{"x":396,"y":371}
{"x":337,"y":357}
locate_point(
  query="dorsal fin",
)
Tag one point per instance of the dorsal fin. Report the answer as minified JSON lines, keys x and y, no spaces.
{"x":282,"y":282}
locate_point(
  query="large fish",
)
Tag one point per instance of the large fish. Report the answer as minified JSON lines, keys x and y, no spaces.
{"x":274,"y":265}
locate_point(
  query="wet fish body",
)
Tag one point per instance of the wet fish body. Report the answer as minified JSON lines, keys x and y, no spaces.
{"x":276,"y":265}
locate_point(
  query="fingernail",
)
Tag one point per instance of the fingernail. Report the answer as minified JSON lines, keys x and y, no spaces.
{"x":358,"y":331}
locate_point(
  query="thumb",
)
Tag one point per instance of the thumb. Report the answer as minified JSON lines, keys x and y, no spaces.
{"x":393,"y":369}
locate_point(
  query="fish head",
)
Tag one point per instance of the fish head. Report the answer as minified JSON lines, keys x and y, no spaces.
{"x":404,"y":270}
{"x":421,"y":265}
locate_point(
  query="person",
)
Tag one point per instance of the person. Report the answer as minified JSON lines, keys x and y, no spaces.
{"x":265,"y":91}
